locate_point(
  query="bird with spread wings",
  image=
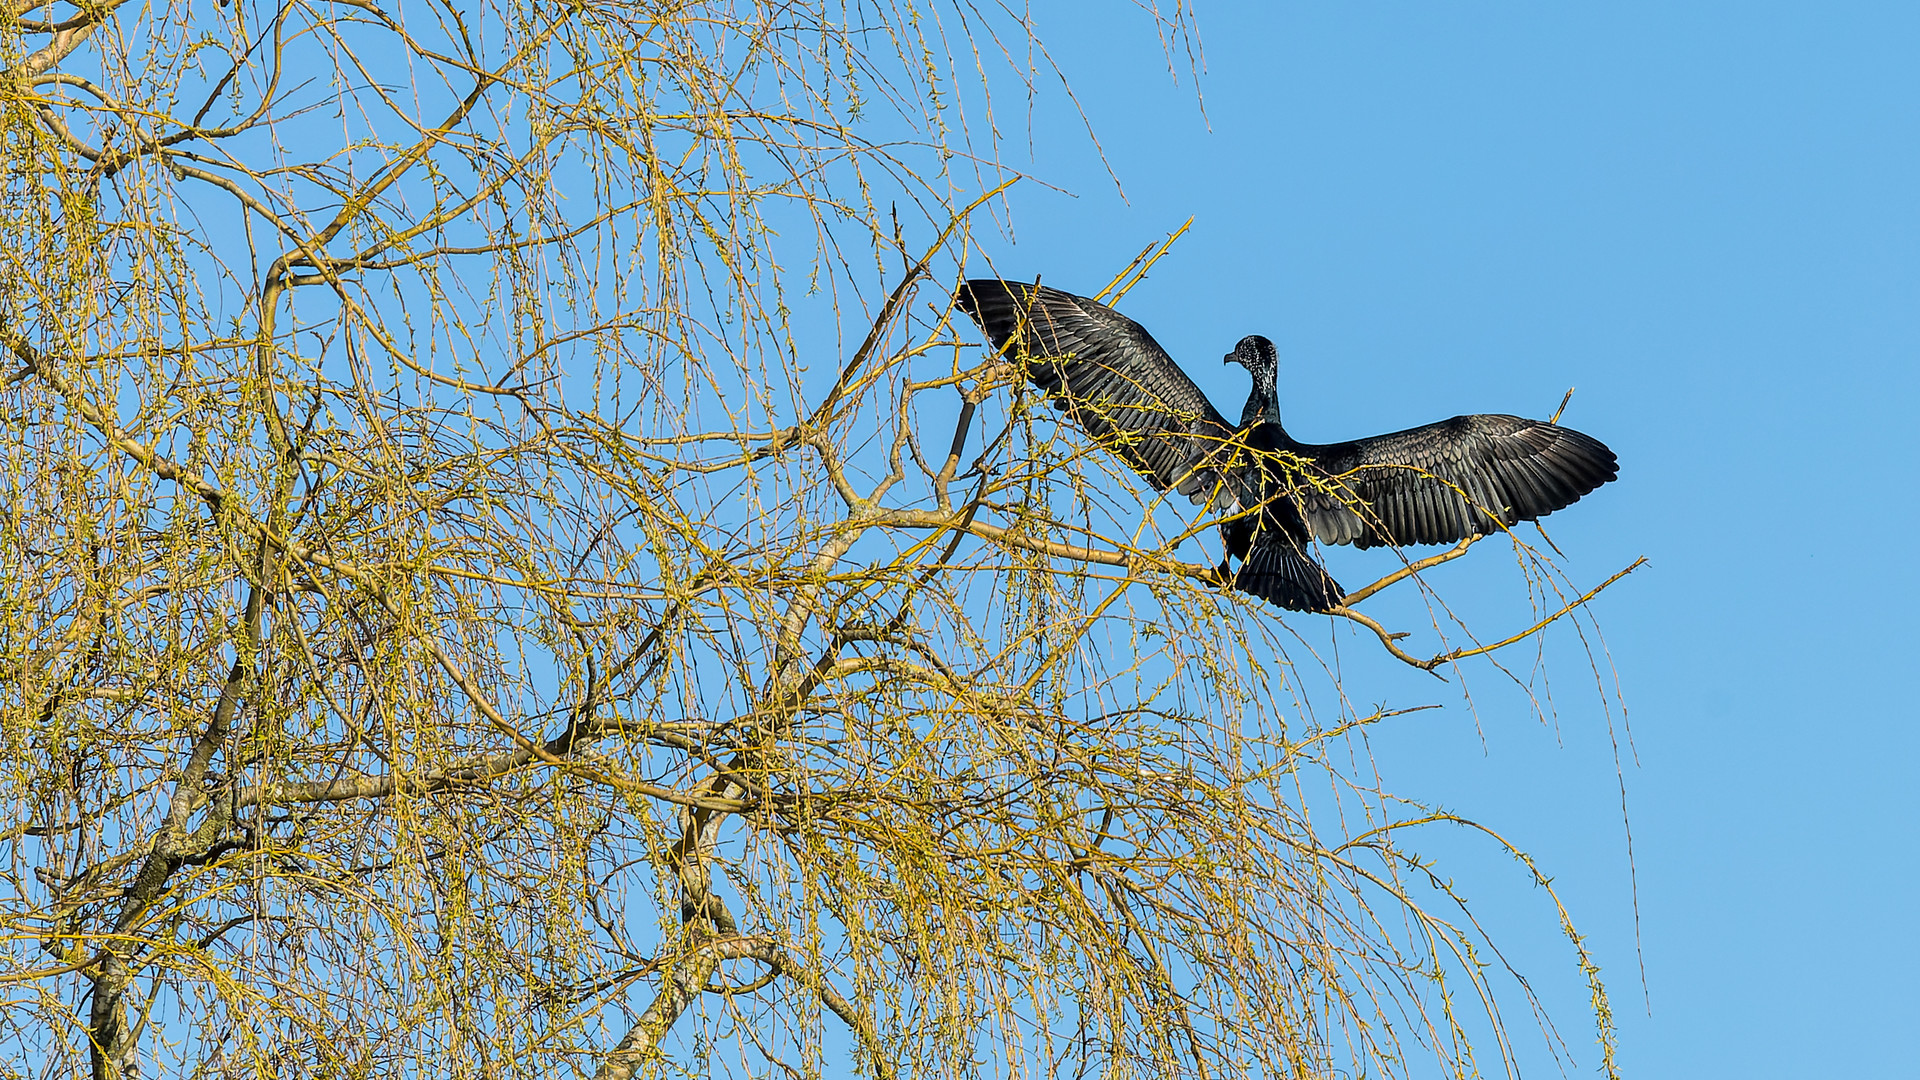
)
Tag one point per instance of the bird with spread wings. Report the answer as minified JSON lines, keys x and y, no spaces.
{"x":1438,"y":483}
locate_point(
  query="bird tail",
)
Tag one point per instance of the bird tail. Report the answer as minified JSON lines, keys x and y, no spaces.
{"x":1279,"y":572}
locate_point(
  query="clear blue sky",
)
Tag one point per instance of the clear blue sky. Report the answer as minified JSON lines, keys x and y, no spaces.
{"x":1705,"y":216}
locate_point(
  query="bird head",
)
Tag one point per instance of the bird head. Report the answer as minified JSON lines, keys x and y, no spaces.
{"x":1256,"y":353}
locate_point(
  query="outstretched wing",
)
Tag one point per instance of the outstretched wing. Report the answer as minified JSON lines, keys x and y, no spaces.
{"x":1444,"y":482}
{"x":1107,"y":373}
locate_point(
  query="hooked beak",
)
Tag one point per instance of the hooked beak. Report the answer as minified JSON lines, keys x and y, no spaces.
{"x":1229,"y":358}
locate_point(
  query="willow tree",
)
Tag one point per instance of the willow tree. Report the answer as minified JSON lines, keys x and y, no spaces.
{"x":511,"y":569}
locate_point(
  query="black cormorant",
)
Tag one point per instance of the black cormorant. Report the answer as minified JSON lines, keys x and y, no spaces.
{"x":1434,"y":484}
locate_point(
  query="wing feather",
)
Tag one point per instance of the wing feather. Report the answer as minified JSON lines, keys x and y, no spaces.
{"x":1443,"y":482}
{"x":1107,"y":373}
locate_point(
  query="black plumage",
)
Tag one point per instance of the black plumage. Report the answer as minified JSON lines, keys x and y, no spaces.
{"x":1434,"y":484}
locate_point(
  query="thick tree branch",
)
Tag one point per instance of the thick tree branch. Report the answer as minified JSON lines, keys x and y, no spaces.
{"x":683,"y":983}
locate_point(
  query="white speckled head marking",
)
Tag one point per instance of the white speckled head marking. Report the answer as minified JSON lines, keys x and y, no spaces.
{"x":1262,"y":361}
